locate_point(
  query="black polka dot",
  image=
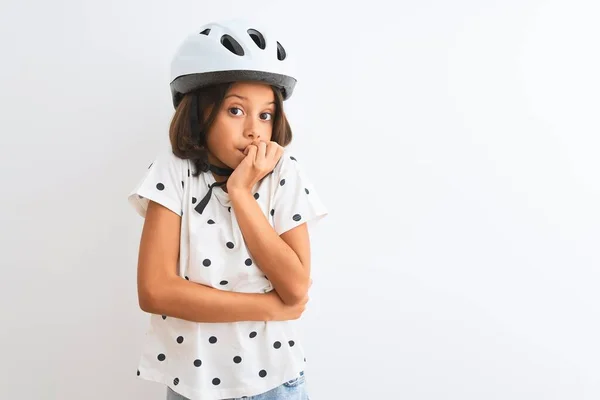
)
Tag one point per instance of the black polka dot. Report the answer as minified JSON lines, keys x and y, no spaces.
{"x":262,"y":373}
{"x":256,"y":196}
{"x":186,"y":278}
{"x":304,"y":359}
{"x":212,"y":340}
{"x":138,"y":372}
{"x":161,"y":357}
{"x":210,"y":222}
{"x":306,"y":190}
{"x":164,"y":317}
{"x":272,"y":212}
{"x":252,"y":335}
{"x":206,"y":262}
{"x":188,"y":172}
{"x":230,"y":245}
{"x":180,"y":339}
{"x":150,"y":165}
{"x":277,"y":345}
{"x":248,"y":262}
{"x":197,"y":363}
{"x":160,"y":186}
{"x":182,"y":185}
{"x":282,"y":182}
{"x":237,"y":359}
{"x":175,"y":381}
{"x":293,"y":158}
{"x":223,"y":283}
{"x":297,"y":217}
{"x":291,"y":343}
{"x":229,"y":209}
{"x":194,"y":200}
{"x":216,"y":381}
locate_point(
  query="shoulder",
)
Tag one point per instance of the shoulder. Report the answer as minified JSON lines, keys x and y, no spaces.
{"x":287,"y":162}
{"x":167,"y":159}
{"x":167,"y":154}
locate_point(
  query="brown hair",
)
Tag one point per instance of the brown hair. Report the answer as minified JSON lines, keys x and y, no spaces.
{"x":190,"y":123}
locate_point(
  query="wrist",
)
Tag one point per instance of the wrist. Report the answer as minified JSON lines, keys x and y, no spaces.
{"x":267,"y":306}
{"x":238,"y":191}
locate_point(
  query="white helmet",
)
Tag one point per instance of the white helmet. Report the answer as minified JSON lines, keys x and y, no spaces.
{"x":230,"y":51}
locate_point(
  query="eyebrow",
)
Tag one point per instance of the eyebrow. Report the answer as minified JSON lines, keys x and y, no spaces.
{"x":245,"y":98}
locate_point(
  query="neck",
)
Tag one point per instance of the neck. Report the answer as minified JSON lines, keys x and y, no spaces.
{"x":219,"y":178}
{"x":219,"y":171}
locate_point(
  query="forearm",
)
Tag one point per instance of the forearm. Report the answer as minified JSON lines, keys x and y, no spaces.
{"x":191,"y":301}
{"x":274,"y":257}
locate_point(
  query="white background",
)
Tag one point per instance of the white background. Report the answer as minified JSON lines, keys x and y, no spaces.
{"x":454,"y":143}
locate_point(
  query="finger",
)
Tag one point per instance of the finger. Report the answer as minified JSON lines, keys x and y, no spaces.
{"x":262,"y":146}
{"x":272,"y":150}
{"x":262,"y":151}
{"x":273,"y":154}
{"x":251,"y":151}
{"x":254,"y":143}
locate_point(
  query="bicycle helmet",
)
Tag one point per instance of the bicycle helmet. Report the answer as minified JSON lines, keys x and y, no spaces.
{"x":230,"y":51}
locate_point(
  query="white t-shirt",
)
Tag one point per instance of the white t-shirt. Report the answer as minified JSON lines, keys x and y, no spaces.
{"x":223,"y":360}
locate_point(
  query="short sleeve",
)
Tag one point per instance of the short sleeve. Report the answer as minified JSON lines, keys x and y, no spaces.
{"x":163,"y":182}
{"x":296,"y":199}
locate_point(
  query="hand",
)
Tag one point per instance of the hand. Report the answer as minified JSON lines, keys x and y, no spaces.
{"x":261,"y":158}
{"x":283,"y":312}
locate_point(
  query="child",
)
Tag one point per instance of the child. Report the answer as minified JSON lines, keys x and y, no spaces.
{"x":224,"y":258}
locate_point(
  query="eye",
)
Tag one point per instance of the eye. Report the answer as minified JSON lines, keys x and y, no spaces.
{"x":266,"y":116}
{"x":231,"y":111}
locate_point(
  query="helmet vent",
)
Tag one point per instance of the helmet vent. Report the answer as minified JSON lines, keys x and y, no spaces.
{"x":280,"y":52}
{"x":232,"y":45}
{"x":257,"y":37}
{"x":205,"y":32}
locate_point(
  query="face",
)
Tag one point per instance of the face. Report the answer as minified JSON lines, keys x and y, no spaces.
{"x":246,"y":116}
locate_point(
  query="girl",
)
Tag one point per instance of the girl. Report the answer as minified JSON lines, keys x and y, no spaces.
{"x":224,"y":257}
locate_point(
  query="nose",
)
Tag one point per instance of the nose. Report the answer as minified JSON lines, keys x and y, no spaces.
{"x":250,"y":130}
{"x":253,"y":135}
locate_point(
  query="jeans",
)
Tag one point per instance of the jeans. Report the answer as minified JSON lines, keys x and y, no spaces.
{"x":291,"y":390}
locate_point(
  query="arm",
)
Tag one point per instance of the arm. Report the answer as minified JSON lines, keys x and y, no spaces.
{"x":286,"y":259}
{"x":161,"y":291}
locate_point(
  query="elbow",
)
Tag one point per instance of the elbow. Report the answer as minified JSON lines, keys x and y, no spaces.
{"x":153,"y":297}
{"x":295,"y":296}
{"x":146,"y":303}
{"x":148,"y":300}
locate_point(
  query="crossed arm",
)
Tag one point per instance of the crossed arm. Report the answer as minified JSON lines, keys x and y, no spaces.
{"x":284,"y":259}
